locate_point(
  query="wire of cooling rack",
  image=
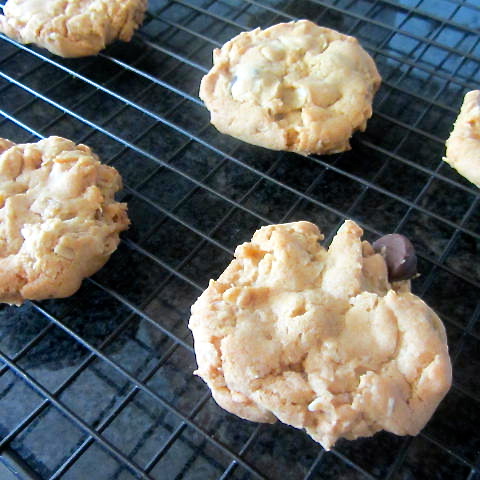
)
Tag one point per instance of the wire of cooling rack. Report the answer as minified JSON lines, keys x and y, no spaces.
{"x":155,"y":146}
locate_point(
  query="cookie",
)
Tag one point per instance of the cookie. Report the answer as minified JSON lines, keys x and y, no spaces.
{"x":463,"y":145}
{"x":59,"y":221}
{"x":294,"y":86}
{"x":72,"y":28}
{"x":319,"y":339}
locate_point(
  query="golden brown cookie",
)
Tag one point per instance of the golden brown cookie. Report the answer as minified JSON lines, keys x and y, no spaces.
{"x":294,"y":86}
{"x":59,"y":221}
{"x":319,"y":339}
{"x":463,"y":145}
{"x":72,"y":28}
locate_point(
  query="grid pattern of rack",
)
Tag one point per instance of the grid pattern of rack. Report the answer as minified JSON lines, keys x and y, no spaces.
{"x":100,"y":385}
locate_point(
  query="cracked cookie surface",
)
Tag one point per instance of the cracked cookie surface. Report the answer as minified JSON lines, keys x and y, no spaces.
{"x":72,"y":28}
{"x":463,"y":145}
{"x":59,"y":221}
{"x":294,"y":86}
{"x":319,"y":339}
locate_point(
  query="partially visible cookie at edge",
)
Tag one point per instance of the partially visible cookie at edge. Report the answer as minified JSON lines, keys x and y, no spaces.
{"x":59,"y":221}
{"x":72,"y":28}
{"x":294,"y":86}
{"x":463,"y":145}
{"x":319,"y":339}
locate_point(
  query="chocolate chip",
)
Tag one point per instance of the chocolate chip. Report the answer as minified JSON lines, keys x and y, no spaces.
{"x":399,"y":256}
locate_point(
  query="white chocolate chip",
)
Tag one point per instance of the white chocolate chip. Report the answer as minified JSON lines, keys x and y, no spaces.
{"x":321,"y":93}
{"x":294,"y":98}
{"x":273,"y":53}
{"x":315,"y":405}
{"x":65,"y":252}
{"x":391,"y":406}
{"x":254,"y":84}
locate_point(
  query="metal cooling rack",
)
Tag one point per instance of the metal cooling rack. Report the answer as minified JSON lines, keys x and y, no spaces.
{"x":100,"y":385}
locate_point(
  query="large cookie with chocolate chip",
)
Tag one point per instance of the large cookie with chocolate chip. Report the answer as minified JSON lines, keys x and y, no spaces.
{"x":294,"y":86}
{"x":72,"y":28}
{"x":59,"y":221}
{"x":320,"y":339}
{"x":463,"y":145}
